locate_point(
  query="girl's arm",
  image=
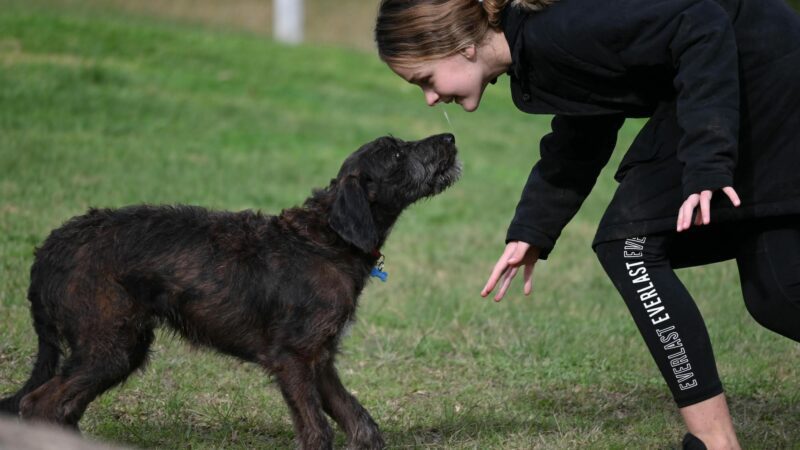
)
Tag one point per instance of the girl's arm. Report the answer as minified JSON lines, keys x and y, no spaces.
{"x":572,"y":156}
{"x":694,"y":39}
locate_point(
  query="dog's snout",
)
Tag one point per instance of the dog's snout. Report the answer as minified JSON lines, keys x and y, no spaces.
{"x":448,"y":138}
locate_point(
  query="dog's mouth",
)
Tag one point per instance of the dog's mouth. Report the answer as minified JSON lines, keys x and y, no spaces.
{"x":451,"y":167}
{"x":435,"y":166}
{"x":446,"y":173}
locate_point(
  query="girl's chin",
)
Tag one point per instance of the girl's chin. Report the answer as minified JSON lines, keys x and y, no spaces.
{"x":469,"y":106}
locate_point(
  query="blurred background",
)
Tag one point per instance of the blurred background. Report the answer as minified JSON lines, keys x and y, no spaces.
{"x":108,"y":103}
{"x":338,"y":22}
{"x":330,"y":22}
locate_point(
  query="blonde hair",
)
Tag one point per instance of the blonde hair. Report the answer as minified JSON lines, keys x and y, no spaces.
{"x":413,"y":31}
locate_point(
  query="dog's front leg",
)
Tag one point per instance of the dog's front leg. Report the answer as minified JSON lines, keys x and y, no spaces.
{"x":296,"y":381}
{"x":362,"y":431}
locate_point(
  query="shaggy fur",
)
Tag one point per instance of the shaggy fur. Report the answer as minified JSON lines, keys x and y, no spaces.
{"x":273,"y":290}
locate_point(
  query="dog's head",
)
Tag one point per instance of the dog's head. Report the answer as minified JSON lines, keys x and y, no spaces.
{"x":385,"y":176}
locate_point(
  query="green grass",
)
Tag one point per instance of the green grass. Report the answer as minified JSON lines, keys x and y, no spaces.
{"x":101,"y":109}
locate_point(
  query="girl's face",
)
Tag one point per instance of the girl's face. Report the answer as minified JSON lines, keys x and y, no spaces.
{"x":456,"y":78}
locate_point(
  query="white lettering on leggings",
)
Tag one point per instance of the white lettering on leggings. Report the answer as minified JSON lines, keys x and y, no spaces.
{"x":655,"y":309}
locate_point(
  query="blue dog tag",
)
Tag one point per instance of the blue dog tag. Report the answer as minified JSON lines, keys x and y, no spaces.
{"x":378,"y":273}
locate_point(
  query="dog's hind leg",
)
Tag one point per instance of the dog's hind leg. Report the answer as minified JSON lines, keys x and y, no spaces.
{"x":106,"y":360}
{"x":296,"y":380}
{"x":362,"y":431}
{"x":43,"y":370}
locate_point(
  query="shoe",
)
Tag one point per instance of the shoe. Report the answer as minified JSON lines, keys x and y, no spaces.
{"x":691,"y":442}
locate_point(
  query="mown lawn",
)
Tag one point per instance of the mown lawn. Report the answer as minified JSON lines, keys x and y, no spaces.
{"x":103,"y":109}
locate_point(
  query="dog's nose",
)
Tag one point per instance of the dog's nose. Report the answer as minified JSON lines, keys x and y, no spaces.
{"x":449,"y":138}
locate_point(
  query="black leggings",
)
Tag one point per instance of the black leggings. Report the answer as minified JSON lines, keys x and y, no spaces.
{"x":768,"y":256}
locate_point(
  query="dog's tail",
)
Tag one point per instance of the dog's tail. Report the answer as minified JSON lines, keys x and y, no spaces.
{"x":43,"y":370}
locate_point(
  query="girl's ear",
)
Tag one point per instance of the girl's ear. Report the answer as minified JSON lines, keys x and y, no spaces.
{"x":469,"y":52}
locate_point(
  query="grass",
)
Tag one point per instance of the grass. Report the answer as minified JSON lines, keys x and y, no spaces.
{"x":99,"y":108}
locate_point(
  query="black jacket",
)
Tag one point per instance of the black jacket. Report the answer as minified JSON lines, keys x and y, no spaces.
{"x":719,"y":79}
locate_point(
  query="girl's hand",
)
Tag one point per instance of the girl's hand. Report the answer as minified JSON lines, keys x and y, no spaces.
{"x":703,"y":216}
{"x":517,"y":253}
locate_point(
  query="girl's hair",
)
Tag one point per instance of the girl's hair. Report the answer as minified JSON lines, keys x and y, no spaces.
{"x":413,"y":31}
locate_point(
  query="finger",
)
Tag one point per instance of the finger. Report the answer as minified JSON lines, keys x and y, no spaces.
{"x":732,"y":195}
{"x":698,"y":218}
{"x":680,"y":219}
{"x":497,"y":271}
{"x":682,"y":215}
{"x":705,"y":206}
{"x":506,"y":283}
{"x":685,"y":213}
{"x":519,"y":253}
{"x":691,"y":204}
{"x":688,"y":215}
{"x":528,"y":276}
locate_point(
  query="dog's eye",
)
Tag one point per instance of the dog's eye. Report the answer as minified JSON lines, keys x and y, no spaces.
{"x":397,"y":155}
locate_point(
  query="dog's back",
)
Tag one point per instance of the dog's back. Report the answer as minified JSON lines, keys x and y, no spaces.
{"x":142,"y":245}
{"x":205,"y":273}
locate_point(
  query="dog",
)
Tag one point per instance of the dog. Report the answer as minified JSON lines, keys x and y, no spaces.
{"x":277,"y":291}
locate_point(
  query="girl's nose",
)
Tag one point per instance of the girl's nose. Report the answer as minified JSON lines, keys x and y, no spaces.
{"x":431,"y":98}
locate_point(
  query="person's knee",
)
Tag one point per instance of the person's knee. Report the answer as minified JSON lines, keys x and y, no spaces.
{"x":787,"y":285}
{"x":772,"y":300}
{"x":782,"y":319}
{"x":757,"y":307}
{"x":779,"y":264}
{"x":607,"y":253}
{"x":614,"y":255}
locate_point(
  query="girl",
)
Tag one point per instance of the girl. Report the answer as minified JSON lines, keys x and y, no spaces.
{"x":718,"y":80}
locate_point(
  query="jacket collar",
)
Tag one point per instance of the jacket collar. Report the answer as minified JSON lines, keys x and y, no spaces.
{"x":511,"y":21}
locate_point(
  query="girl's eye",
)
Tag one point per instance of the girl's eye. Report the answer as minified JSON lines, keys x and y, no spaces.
{"x":422,"y":82}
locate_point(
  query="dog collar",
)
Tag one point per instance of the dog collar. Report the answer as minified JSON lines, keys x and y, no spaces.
{"x":377,"y":271}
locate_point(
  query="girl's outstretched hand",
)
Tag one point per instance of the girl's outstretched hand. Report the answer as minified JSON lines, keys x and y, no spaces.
{"x":703,"y":216}
{"x":516,"y":254}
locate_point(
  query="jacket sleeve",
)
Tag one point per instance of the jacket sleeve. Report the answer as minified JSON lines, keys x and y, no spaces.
{"x":572,"y":156}
{"x":694,"y":39}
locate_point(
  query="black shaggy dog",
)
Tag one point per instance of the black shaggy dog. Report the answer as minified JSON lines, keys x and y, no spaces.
{"x":274,"y":290}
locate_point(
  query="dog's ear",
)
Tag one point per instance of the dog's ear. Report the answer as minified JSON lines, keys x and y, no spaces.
{"x":351,"y":217}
